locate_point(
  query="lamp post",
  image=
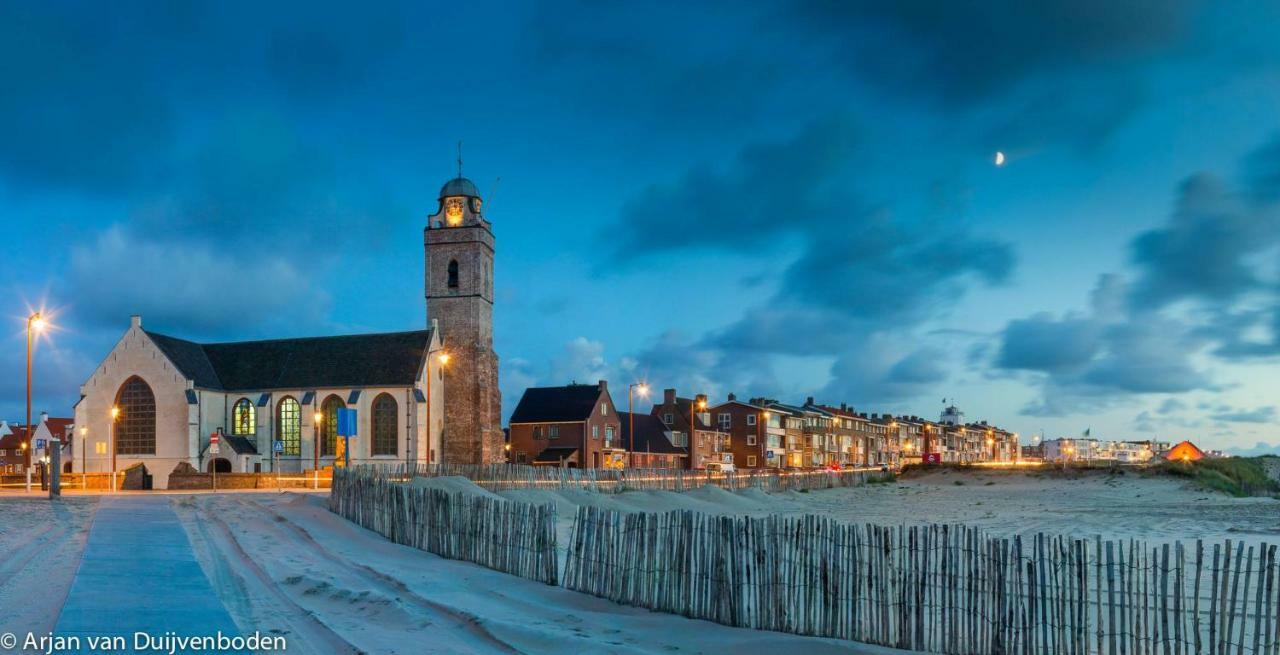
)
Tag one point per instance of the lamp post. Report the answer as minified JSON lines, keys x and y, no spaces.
{"x":443,"y":358}
{"x":631,"y":414}
{"x":693,"y":424}
{"x":35,"y":323}
{"x":315,"y":438}
{"x":115,"y":415}
{"x":84,"y":452}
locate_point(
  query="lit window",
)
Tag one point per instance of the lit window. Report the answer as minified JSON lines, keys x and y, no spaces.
{"x":289,"y":425}
{"x":135,"y":429}
{"x":329,"y":425}
{"x":751,"y":461}
{"x":242,"y":422}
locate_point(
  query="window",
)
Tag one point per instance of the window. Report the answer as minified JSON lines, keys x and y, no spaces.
{"x":726,"y":420}
{"x":289,"y":425}
{"x":595,"y":432}
{"x":453,"y":274}
{"x":751,"y":461}
{"x":678,"y":439}
{"x":604,"y":409}
{"x":667,"y":418}
{"x":553,"y":432}
{"x":751,"y":419}
{"x":608,"y":433}
{"x":386,"y":425}
{"x":242,"y":420}
{"x":329,"y":426}
{"x":136,"y":425}
{"x":537,"y":432}
{"x":751,"y":439}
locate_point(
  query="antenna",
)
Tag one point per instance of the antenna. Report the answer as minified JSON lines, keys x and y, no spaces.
{"x":494,"y":193}
{"x":459,"y":158}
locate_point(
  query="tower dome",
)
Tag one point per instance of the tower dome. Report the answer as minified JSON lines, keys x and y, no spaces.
{"x":459,"y":186}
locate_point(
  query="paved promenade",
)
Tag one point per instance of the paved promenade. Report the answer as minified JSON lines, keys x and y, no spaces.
{"x":139,"y":574}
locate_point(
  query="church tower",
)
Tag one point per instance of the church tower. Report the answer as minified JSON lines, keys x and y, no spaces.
{"x":459,"y":289}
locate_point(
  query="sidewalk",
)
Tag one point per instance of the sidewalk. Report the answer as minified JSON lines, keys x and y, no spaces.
{"x":139,"y":574}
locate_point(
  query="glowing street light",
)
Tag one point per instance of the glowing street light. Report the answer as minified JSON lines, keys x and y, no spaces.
{"x":35,"y":323}
{"x":643,"y":388}
{"x":115,"y":416}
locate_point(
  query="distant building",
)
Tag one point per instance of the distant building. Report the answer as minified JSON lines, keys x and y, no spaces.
{"x":1184,"y":452}
{"x":705,"y":440}
{"x":753,"y":443}
{"x":575,"y":425}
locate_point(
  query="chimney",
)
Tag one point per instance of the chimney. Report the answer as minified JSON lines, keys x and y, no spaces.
{"x":135,"y":321}
{"x":604,"y":385}
{"x":809,"y":400}
{"x":668,"y":396}
{"x":732,"y":397}
{"x":844,"y":407}
{"x":44,"y":417}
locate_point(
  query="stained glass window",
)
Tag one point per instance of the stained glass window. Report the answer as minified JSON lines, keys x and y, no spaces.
{"x":329,"y":426}
{"x":289,"y":425}
{"x":385,"y":425}
{"x":135,"y":429}
{"x":242,"y":419}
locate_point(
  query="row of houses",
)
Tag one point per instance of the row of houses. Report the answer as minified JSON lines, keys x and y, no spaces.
{"x":578,"y":425}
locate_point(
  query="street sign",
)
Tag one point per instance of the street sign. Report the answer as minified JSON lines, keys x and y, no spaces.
{"x":277,"y":446}
{"x":213,"y":443}
{"x":346,"y":422}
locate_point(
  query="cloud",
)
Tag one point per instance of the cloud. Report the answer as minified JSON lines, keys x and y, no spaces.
{"x":1043,"y":343}
{"x":1201,"y":252}
{"x":187,"y":287}
{"x":769,"y":191}
{"x":961,"y":52}
{"x":1234,"y":415}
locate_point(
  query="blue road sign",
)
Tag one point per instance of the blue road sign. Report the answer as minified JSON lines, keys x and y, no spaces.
{"x":346,"y":422}
{"x":277,"y":446}
{"x":40,"y":443}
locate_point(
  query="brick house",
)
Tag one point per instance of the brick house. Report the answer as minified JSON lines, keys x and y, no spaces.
{"x":575,"y":425}
{"x":651,"y":445}
{"x":751,"y":440}
{"x":704,"y":439}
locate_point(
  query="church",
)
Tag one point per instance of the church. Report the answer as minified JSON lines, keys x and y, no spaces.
{"x":421,"y":396}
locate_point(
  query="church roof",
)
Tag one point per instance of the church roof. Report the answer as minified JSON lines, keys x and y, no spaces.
{"x":459,"y":186}
{"x":363,"y":360}
{"x":573,"y":402}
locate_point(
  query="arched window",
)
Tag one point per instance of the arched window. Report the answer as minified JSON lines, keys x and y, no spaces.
{"x":385,"y":425}
{"x":453,"y":274}
{"x":289,"y":425}
{"x":135,"y":430}
{"x":329,"y":426}
{"x":242,"y":418}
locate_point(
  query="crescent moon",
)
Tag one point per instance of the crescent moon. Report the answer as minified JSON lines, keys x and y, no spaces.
{"x":999,"y":158}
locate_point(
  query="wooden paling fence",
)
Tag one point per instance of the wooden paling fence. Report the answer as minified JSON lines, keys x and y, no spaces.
{"x":512,"y":537}
{"x":501,"y":477}
{"x":934,"y":588}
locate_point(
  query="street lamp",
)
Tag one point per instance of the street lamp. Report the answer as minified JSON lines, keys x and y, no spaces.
{"x":35,"y":323}
{"x":315,"y":438}
{"x":443,"y":358}
{"x":115,"y":415}
{"x":693,"y":423}
{"x":631,"y":414}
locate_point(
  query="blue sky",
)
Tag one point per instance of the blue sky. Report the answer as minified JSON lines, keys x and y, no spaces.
{"x":781,"y":199}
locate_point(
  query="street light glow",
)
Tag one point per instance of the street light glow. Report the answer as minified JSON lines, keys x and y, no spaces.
{"x":643,"y":389}
{"x":37,"y":322}
{"x":444,"y":358}
{"x":115,"y":412}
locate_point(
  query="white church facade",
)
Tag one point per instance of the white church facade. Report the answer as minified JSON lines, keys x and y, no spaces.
{"x":158,"y":399}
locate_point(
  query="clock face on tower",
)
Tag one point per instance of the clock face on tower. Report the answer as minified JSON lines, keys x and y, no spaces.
{"x":453,"y":211}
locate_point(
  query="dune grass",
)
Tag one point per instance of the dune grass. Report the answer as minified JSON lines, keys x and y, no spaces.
{"x":1237,"y":476}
